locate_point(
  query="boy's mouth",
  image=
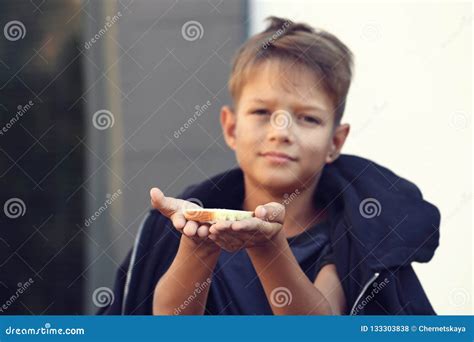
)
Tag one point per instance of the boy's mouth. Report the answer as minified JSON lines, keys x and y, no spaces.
{"x":278,"y":157}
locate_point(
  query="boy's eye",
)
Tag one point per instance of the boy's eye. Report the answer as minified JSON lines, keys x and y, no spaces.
{"x":310,"y":119}
{"x":261,"y":111}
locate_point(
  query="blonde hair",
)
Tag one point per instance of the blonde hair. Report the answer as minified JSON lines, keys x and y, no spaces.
{"x":302,"y":45}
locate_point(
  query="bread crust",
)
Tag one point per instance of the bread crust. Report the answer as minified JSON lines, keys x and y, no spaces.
{"x":214,"y":215}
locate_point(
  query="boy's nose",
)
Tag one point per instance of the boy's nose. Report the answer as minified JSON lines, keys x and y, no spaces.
{"x":281,"y":123}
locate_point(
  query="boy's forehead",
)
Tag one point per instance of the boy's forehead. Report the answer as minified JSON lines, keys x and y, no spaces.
{"x":273,"y":81}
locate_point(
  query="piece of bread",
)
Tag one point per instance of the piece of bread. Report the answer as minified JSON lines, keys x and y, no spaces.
{"x":213,"y":215}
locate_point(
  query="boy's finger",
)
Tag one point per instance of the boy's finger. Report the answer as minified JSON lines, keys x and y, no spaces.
{"x":220,"y":226}
{"x":166,"y":205}
{"x":203,"y":231}
{"x":178,"y":220}
{"x":190,"y":228}
{"x":246,"y":225}
{"x":221,"y":240}
{"x":271,"y":212}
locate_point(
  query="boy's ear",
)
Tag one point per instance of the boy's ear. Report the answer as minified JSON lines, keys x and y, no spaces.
{"x":338,"y":139}
{"x":228,"y":123}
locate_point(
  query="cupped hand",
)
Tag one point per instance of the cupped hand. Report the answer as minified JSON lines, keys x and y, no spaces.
{"x":253,"y":232}
{"x":173,"y":208}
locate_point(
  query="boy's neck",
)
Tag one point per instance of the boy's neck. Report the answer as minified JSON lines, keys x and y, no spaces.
{"x":300,"y":209}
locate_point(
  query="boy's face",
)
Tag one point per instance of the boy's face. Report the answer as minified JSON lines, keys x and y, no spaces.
{"x":283,"y":131}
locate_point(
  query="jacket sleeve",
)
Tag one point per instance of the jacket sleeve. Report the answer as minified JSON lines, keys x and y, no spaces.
{"x":115,"y":307}
{"x":122,"y":277}
{"x":154,"y":249}
{"x":412,"y":293}
{"x":396,"y":292}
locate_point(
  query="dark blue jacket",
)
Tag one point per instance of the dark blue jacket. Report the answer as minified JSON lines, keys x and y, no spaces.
{"x":380,"y":224}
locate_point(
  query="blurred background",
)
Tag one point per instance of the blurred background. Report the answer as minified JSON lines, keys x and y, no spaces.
{"x":101,"y":100}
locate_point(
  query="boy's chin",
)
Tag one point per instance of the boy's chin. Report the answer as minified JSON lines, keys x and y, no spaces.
{"x":278,"y":181}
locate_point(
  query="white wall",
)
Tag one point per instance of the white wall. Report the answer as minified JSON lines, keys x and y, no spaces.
{"x":410,"y":110}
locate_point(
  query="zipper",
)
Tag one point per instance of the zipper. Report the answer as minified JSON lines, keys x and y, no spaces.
{"x":359,"y":297}
{"x":132,"y":263}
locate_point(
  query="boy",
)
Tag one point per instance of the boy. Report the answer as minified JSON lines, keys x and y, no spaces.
{"x":331,"y":234}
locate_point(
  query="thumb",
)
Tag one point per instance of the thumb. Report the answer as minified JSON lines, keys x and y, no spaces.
{"x":271,"y":212}
{"x":166,"y":205}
